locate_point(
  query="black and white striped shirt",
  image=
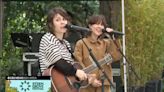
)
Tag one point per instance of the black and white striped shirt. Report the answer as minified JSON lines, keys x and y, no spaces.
{"x":51,"y":50}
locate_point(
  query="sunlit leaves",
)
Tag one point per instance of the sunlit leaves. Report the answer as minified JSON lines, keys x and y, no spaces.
{"x":144,"y":38}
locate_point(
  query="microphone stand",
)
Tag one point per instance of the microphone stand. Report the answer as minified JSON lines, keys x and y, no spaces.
{"x":100,"y":68}
{"x":102,"y":81}
{"x":130,"y":66}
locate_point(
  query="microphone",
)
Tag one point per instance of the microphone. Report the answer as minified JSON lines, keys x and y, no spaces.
{"x":74,"y":27}
{"x":112,"y":32}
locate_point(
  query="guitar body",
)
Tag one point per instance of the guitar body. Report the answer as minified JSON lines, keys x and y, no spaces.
{"x":60,"y":82}
{"x":63,"y":83}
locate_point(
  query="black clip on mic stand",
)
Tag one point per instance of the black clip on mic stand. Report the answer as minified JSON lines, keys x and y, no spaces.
{"x":100,"y":68}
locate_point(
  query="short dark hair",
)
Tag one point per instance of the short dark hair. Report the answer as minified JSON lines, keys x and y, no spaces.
{"x":52,"y":13}
{"x":97,"y":19}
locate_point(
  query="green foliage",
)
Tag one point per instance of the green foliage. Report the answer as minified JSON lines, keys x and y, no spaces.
{"x":144,"y":32}
{"x":144,"y":38}
{"x":79,"y":10}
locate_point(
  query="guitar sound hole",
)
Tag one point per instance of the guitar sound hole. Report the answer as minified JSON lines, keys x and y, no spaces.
{"x":77,"y":85}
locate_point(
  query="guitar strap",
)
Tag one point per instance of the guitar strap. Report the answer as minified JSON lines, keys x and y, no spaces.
{"x":70,"y":50}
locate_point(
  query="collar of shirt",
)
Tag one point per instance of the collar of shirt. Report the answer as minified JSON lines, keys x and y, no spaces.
{"x":91,"y":40}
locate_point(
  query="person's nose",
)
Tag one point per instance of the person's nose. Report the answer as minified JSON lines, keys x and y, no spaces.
{"x":101,"y":26}
{"x":64,"y":22}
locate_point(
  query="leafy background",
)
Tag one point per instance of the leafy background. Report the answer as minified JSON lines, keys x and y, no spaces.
{"x":143,"y":25}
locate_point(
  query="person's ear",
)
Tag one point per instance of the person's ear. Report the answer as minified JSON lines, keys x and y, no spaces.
{"x":89,"y":25}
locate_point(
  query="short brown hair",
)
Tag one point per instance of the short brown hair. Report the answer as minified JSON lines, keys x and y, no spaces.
{"x":97,"y":19}
{"x":52,"y":13}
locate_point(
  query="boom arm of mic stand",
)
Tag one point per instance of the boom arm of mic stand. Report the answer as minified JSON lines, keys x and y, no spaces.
{"x":98,"y":65}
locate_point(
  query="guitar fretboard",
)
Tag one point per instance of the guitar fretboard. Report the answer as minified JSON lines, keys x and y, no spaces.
{"x":106,"y":59}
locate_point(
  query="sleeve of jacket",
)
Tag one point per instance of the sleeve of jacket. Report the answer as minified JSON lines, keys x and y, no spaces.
{"x":113,"y":50}
{"x":78,"y":52}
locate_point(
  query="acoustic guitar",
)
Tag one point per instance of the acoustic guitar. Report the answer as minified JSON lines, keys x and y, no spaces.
{"x":63,"y":83}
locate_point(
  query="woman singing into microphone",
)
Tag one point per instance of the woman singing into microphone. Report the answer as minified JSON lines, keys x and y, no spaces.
{"x":99,"y":47}
{"x":54,"y":50}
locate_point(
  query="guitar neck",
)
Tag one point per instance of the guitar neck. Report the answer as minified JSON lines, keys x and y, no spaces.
{"x":92,"y":67}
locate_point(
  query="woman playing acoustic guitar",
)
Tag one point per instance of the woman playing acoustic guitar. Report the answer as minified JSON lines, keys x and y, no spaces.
{"x":55,"y":56}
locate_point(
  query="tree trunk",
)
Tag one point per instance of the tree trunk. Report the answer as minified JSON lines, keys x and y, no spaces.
{"x":112,"y":11}
{"x":1,"y":23}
